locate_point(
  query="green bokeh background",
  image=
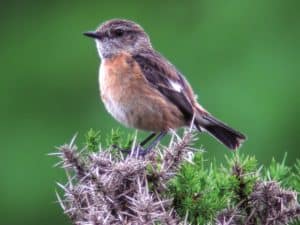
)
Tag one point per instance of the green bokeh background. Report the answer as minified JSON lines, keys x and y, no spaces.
{"x":241,"y":57}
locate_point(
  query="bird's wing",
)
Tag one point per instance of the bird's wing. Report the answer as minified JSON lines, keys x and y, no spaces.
{"x":164,"y":77}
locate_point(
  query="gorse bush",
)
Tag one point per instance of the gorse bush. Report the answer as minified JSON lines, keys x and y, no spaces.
{"x":203,"y":189}
{"x":289,"y":177}
{"x":238,"y":191}
{"x":173,"y":184}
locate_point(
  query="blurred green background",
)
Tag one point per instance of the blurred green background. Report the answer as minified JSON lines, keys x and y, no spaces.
{"x":241,"y":57}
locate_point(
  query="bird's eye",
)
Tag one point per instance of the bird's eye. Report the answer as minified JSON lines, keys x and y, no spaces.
{"x":119,"y":32}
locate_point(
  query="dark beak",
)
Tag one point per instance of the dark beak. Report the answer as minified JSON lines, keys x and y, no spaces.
{"x":92,"y":34}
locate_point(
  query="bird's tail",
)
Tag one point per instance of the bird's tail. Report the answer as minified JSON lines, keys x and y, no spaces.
{"x":222,"y":132}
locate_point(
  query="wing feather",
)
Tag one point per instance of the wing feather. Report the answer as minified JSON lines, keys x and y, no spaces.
{"x":164,"y":77}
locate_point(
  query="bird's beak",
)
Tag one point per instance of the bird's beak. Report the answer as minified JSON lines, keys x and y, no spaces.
{"x":92,"y":34}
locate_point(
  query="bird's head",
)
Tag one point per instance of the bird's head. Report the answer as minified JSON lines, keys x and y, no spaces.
{"x":118,"y":35}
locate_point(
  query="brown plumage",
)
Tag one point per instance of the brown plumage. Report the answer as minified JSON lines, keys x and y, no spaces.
{"x":142,"y":89}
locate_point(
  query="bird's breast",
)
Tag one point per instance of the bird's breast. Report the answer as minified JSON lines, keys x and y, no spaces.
{"x":117,"y":75}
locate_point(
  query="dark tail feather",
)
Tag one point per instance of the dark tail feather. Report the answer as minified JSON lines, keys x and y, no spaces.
{"x":223,"y":133}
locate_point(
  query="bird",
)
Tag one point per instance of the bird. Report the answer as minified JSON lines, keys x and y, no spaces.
{"x":141,"y":89}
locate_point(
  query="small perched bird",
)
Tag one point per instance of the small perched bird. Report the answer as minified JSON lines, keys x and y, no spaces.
{"x":142,"y":89}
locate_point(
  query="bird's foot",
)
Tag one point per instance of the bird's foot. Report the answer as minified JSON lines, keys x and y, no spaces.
{"x":137,"y":151}
{"x":124,"y":151}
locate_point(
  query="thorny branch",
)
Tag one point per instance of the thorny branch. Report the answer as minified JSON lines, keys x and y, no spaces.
{"x":104,"y":189}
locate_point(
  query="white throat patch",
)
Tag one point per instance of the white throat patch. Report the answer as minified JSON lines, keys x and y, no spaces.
{"x":98,"y":44}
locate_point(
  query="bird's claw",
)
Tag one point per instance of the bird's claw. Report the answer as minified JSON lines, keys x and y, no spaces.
{"x":136,"y":151}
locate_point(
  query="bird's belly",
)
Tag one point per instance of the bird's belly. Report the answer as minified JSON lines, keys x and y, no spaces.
{"x":143,"y":112}
{"x":135,"y":111}
{"x":115,"y":107}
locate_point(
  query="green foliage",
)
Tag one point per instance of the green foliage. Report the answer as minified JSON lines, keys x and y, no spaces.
{"x":119,"y":139}
{"x":289,"y":177}
{"x":92,"y":140}
{"x":201,"y":191}
{"x":279,"y":171}
{"x":114,"y":142}
{"x":295,"y":183}
{"x":191,"y":192}
{"x":243,"y":173}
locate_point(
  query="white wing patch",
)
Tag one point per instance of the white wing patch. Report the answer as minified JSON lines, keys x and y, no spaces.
{"x":176,"y":86}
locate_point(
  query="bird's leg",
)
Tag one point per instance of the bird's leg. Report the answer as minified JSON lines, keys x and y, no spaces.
{"x":147,"y":139}
{"x":143,"y":152}
{"x":137,"y":147}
